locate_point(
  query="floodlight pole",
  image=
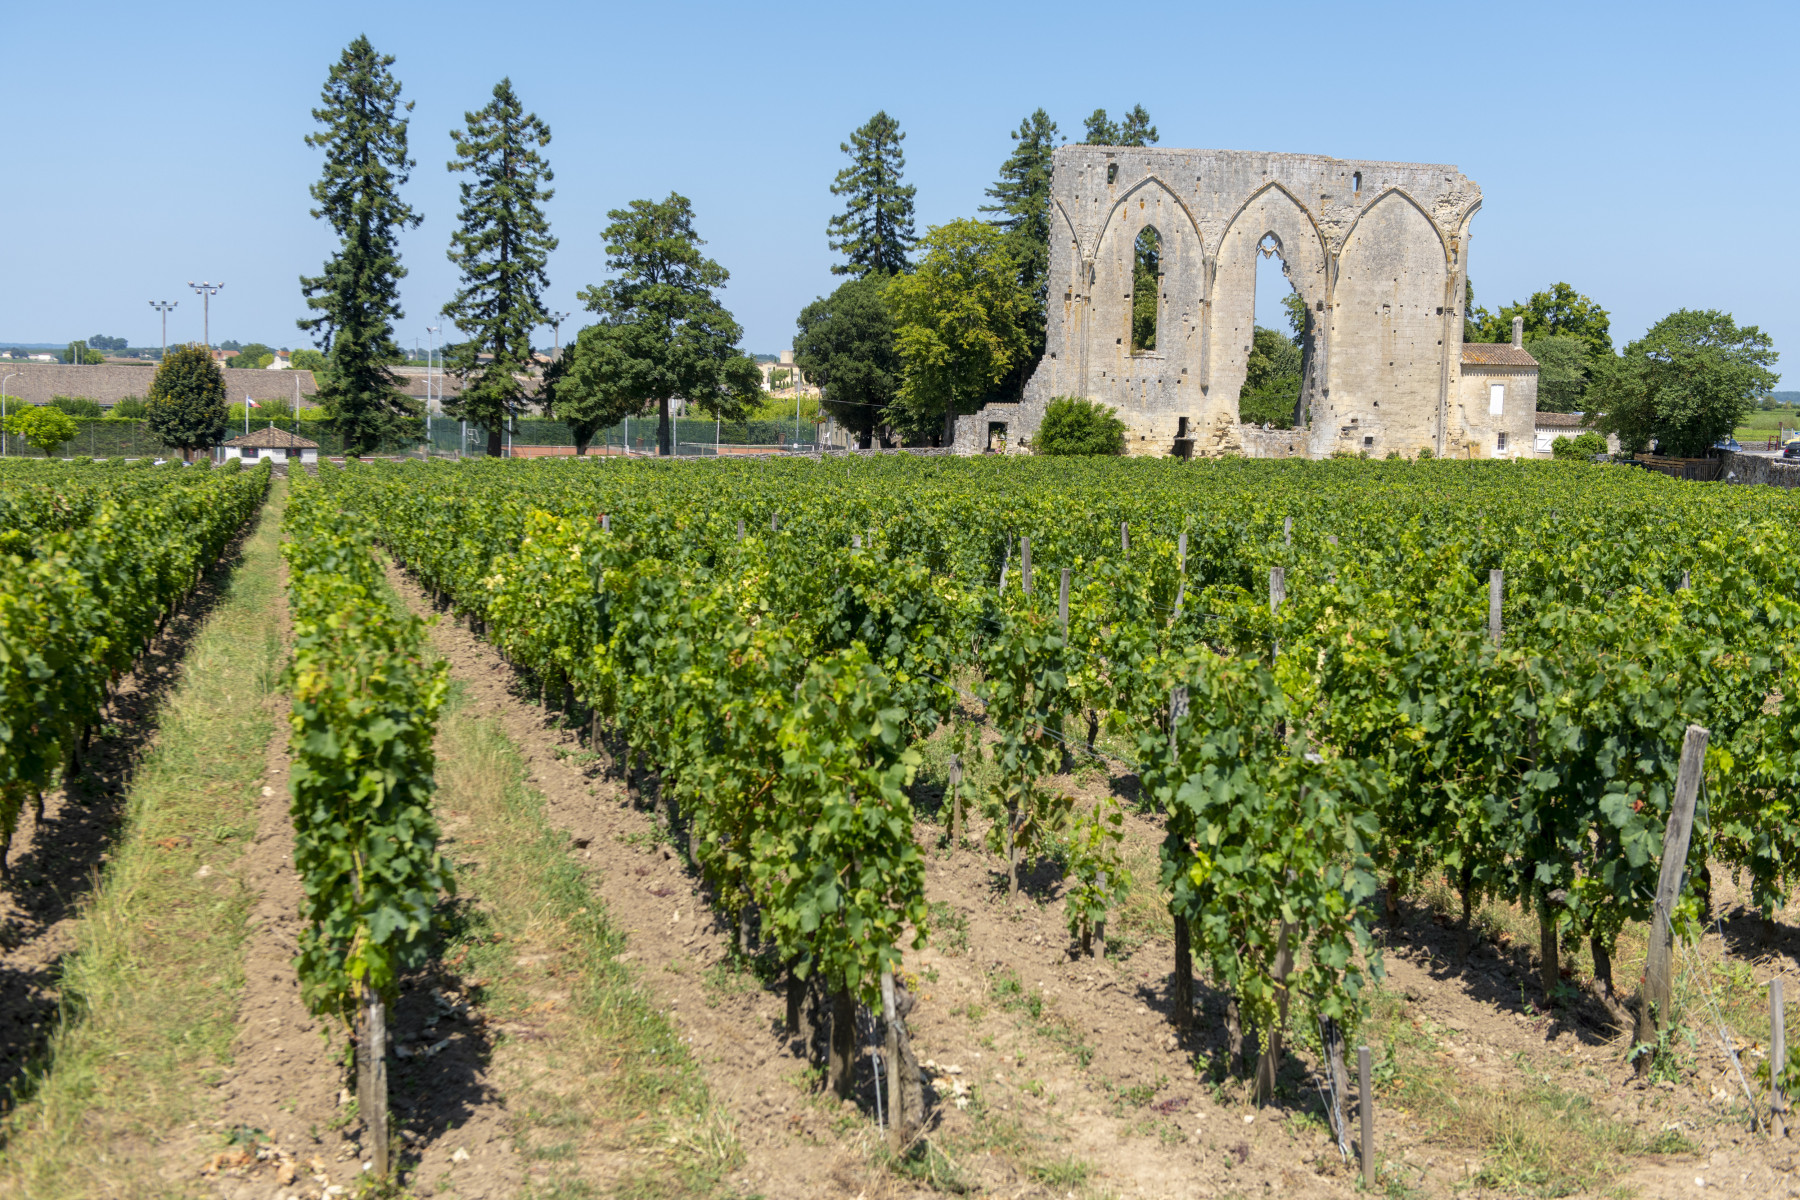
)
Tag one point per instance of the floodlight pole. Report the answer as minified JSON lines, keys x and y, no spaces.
{"x":555,"y":320}
{"x":163,"y":307}
{"x":206,"y":291}
{"x":431,"y":354}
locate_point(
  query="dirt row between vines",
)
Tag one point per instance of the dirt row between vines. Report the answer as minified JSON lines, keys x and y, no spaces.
{"x":1057,"y":1074}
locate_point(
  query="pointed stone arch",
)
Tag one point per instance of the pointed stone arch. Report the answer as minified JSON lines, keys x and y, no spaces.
{"x":1272,"y":213}
{"x":1148,"y":203}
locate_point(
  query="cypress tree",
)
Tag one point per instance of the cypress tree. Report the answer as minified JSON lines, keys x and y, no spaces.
{"x":358,"y":296}
{"x":502,"y":250}
{"x":875,"y":230}
{"x":1023,"y":207}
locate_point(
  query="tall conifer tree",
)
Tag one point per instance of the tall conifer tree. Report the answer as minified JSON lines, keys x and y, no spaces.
{"x":1134,"y":129}
{"x":502,"y":249}
{"x":358,"y":296}
{"x":875,"y":230}
{"x":1023,"y":207}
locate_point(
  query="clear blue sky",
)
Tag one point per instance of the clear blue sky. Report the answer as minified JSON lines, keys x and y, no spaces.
{"x":1645,"y":153}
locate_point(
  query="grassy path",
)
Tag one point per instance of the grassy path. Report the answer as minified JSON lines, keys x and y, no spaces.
{"x":118,"y":1105}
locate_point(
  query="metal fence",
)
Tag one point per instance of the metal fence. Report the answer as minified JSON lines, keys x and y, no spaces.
{"x":530,"y":437}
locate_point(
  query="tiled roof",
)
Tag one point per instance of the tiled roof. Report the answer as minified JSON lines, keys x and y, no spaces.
{"x":1496,"y":354}
{"x":1550,"y":420}
{"x":272,"y":438}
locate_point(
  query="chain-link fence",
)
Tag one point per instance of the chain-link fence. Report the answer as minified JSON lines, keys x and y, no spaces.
{"x":113,"y":437}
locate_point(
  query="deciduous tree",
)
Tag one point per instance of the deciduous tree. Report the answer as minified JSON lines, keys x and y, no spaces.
{"x":846,"y":345}
{"x":1562,"y":371}
{"x":1560,"y":310}
{"x":875,"y":230}
{"x":1272,"y":380}
{"x":960,"y":322}
{"x":357,"y":299}
{"x":187,"y":400}
{"x":502,"y":251}
{"x":45,"y":426}
{"x":662,"y":333}
{"x":1685,"y":384}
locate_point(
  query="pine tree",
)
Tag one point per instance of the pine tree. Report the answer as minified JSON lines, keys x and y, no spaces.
{"x":1134,"y":130}
{"x":502,"y":250}
{"x":358,"y":296}
{"x":875,"y":230}
{"x":662,"y":333}
{"x":1023,"y":193}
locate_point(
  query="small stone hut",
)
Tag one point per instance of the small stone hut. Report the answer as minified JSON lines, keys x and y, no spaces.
{"x":275,"y":445}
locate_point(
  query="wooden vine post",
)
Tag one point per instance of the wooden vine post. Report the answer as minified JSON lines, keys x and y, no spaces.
{"x":956,"y":817}
{"x":1062,"y":604}
{"x":1496,"y":586}
{"x":1653,"y":1010}
{"x":372,"y":1080}
{"x":1778,"y":1105}
{"x":1025,"y":564}
{"x":896,"y":1130}
{"x":1183,"y":993}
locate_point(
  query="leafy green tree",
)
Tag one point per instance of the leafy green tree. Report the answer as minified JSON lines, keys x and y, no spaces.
{"x":875,"y":230}
{"x":1072,"y":425}
{"x":1146,"y":282}
{"x":78,"y":406}
{"x":78,"y":353}
{"x":1022,"y":202}
{"x":187,"y":400}
{"x":662,"y":333}
{"x":1560,"y":310}
{"x":1562,"y":371}
{"x":131,"y":408}
{"x":502,"y":249}
{"x":308,"y":360}
{"x":254,"y":356}
{"x":579,"y":392}
{"x":358,"y":296}
{"x":1272,"y":381}
{"x":1579,"y":448}
{"x":1134,"y":129}
{"x":101,"y":342}
{"x":43,"y":425}
{"x":1685,"y":384}
{"x":960,"y":321}
{"x":846,"y":345}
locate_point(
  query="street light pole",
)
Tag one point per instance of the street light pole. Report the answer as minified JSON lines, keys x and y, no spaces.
{"x":429,"y":379}
{"x":206,"y":291}
{"x":163,"y":307}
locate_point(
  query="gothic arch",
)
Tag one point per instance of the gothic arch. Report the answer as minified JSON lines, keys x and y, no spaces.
{"x":1371,"y":206}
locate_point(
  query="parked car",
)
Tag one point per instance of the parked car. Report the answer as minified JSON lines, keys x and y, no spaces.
{"x":1792,"y":449}
{"x":1729,"y":443}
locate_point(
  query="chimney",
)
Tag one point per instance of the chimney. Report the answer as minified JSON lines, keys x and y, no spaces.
{"x":1519,"y":332}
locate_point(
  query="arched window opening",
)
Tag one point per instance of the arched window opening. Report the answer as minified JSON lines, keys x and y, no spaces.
{"x":1276,"y":370}
{"x":1146,"y":284}
{"x":1356,"y":184}
{"x":1112,"y":173}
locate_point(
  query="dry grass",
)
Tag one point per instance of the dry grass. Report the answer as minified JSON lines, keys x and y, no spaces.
{"x":150,"y":989}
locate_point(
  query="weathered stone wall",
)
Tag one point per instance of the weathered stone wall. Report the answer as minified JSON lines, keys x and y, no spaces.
{"x":1517,"y":418}
{"x":1377,"y":250}
{"x":1754,"y":468}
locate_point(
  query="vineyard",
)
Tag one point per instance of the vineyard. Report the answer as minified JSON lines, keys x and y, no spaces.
{"x":1241,"y":719}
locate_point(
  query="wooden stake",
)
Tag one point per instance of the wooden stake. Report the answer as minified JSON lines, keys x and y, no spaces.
{"x":740,"y":529}
{"x":841,"y":1063}
{"x":1686,"y":581}
{"x":1062,"y":603}
{"x":1367,"y":1105}
{"x":371,"y":1081}
{"x":1777,"y":1054}
{"x":1181,"y":552}
{"x":606,"y":522}
{"x":896,"y":1126}
{"x":1277,"y":587}
{"x":856,"y":541}
{"x":955,"y":797}
{"x":1496,"y":586}
{"x":1124,"y":536}
{"x":774,"y":524}
{"x":1653,"y":1008}
{"x":1183,"y":997}
{"x":1100,"y":925}
{"x":1287,"y":531}
{"x":1025,"y":564}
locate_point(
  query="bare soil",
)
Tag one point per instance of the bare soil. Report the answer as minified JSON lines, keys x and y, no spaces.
{"x":1089,"y":1091}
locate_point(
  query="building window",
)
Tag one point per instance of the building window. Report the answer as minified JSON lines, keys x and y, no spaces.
{"x":1368,"y":441}
{"x":1500,"y":443}
{"x":1496,"y":399}
{"x":1112,"y":172}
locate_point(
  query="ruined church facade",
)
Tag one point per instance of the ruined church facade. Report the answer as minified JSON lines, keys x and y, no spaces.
{"x":1376,"y":250}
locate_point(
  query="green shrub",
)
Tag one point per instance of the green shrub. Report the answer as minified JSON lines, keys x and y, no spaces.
{"x":1579,"y":448}
{"x":1072,"y":425}
{"x":1426,"y":452}
{"x":77,"y":406}
{"x":131,"y":408}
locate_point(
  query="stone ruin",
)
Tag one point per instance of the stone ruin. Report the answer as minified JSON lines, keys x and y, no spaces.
{"x":1377,"y":250}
